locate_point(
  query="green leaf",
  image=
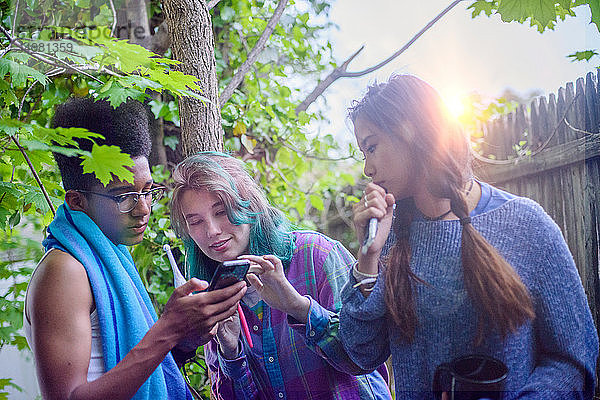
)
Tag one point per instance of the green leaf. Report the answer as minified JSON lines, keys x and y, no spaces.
{"x":116,"y":94}
{"x":316,"y":202}
{"x":303,"y":117}
{"x":64,"y":136}
{"x":303,"y":17}
{"x":482,"y":6}
{"x":595,"y":9}
{"x":139,"y":82}
{"x":348,"y":178}
{"x":4,"y":213}
{"x":176,"y":81}
{"x":106,"y":161}
{"x":7,"y":93}
{"x":270,"y":111}
{"x":9,"y":383}
{"x":19,"y":72}
{"x":14,"y":219}
{"x":583,"y":55}
{"x":285,"y":91}
{"x":171,"y":142}
{"x":20,"y":342}
{"x":227,"y":13}
{"x":8,"y":188}
{"x":10,"y":126}
{"x":36,"y":145}
{"x":35,"y":196}
{"x":542,"y":11}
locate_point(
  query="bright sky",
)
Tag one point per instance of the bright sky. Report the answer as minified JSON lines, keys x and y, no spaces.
{"x":458,"y":55}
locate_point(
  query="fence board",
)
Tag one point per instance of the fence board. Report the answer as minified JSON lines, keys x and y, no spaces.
{"x":579,"y":106}
{"x":571,"y":110}
{"x":592,"y":112}
{"x":592,"y":230}
{"x":563,"y":172}
{"x":554,"y":157}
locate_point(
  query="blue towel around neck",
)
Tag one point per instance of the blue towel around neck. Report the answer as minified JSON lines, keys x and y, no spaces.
{"x":124,"y":308}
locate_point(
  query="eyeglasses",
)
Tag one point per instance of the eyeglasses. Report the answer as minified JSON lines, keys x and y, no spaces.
{"x":127,"y":201}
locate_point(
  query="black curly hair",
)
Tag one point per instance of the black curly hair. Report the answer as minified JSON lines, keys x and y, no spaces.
{"x":127,"y":127}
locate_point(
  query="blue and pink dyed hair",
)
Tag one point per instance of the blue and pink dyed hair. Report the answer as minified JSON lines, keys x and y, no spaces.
{"x":245,"y":203}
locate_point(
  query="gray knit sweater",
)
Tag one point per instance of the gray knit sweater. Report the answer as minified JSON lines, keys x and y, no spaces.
{"x":551,"y":357}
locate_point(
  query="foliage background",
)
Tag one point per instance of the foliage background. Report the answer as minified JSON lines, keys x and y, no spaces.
{"x":308,"y":176}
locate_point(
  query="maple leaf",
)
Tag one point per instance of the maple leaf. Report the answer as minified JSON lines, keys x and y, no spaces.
{"x":7,"y":93}
{"x":19,"y":72}
{"x":106,"y":162}
{"x":63,"y":136}
{"x":35,"y":196}
{"x":542,"y":11}
{"x":10,"y":126}
{"x":595,"y":9}
{"x":117,"y":94}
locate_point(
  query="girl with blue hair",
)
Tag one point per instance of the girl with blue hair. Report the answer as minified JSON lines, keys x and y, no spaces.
{"x":292,"y":305}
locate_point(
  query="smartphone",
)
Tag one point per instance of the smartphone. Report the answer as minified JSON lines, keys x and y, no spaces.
{"x":228,"y":273}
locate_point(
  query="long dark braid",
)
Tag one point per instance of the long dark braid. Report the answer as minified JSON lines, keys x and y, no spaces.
{"x":501,"y":299}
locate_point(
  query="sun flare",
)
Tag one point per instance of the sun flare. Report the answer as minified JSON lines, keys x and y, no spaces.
{"x":456,"y":105}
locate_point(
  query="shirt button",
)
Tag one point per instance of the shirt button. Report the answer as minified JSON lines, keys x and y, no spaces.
{"x":255,"y":327}
{"x":280,"y":395}
{"x":271,"y":359}
{"x":311,"y":333}
{"x":244,"y":364}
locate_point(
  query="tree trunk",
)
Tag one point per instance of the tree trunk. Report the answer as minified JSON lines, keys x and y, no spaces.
{"x":137,"y":22}
{"x":192,"y":43}
{"x":158,"y":155}
{"x":133,"y":24}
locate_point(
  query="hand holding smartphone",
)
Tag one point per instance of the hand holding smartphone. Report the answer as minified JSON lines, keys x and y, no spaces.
{"x":229,"y":273}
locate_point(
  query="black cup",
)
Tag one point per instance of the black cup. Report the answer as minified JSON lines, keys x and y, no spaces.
{"x":471,"y":377}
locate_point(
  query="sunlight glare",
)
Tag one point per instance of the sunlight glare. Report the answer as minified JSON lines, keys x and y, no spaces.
{"x":456,"y":105}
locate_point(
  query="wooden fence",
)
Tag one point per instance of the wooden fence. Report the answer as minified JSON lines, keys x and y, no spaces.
{"x":562,"y":171}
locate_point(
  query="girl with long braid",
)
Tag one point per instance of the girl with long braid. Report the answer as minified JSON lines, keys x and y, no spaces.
{"x":457,"y":267}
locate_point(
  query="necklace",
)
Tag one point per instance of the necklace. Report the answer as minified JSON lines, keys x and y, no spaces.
{"x":439,"y":217}
{"x":470,"y":188}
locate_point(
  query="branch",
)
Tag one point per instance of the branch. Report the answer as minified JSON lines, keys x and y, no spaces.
{"x":253,"y":55}
{"x":341,"y":72}
{"x":15,"y":14}
{"x":212,"y":3}
{"x":35,"y":175}
{"x":325,"y":83}
{"x":114,"y":13}
{"x":23,"y":99}
{"x":24,"y":153}
{"x":9,"y":37}
{"x":307,"y":155}
{"x":5,"y":51}
{"x":290,"y":184}
{"x":46,"y":60}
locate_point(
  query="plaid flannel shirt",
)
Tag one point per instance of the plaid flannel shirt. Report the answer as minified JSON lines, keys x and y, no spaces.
{"x":290,"y":360}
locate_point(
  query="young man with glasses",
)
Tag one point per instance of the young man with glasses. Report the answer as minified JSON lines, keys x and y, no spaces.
{"x":88,"y":318}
